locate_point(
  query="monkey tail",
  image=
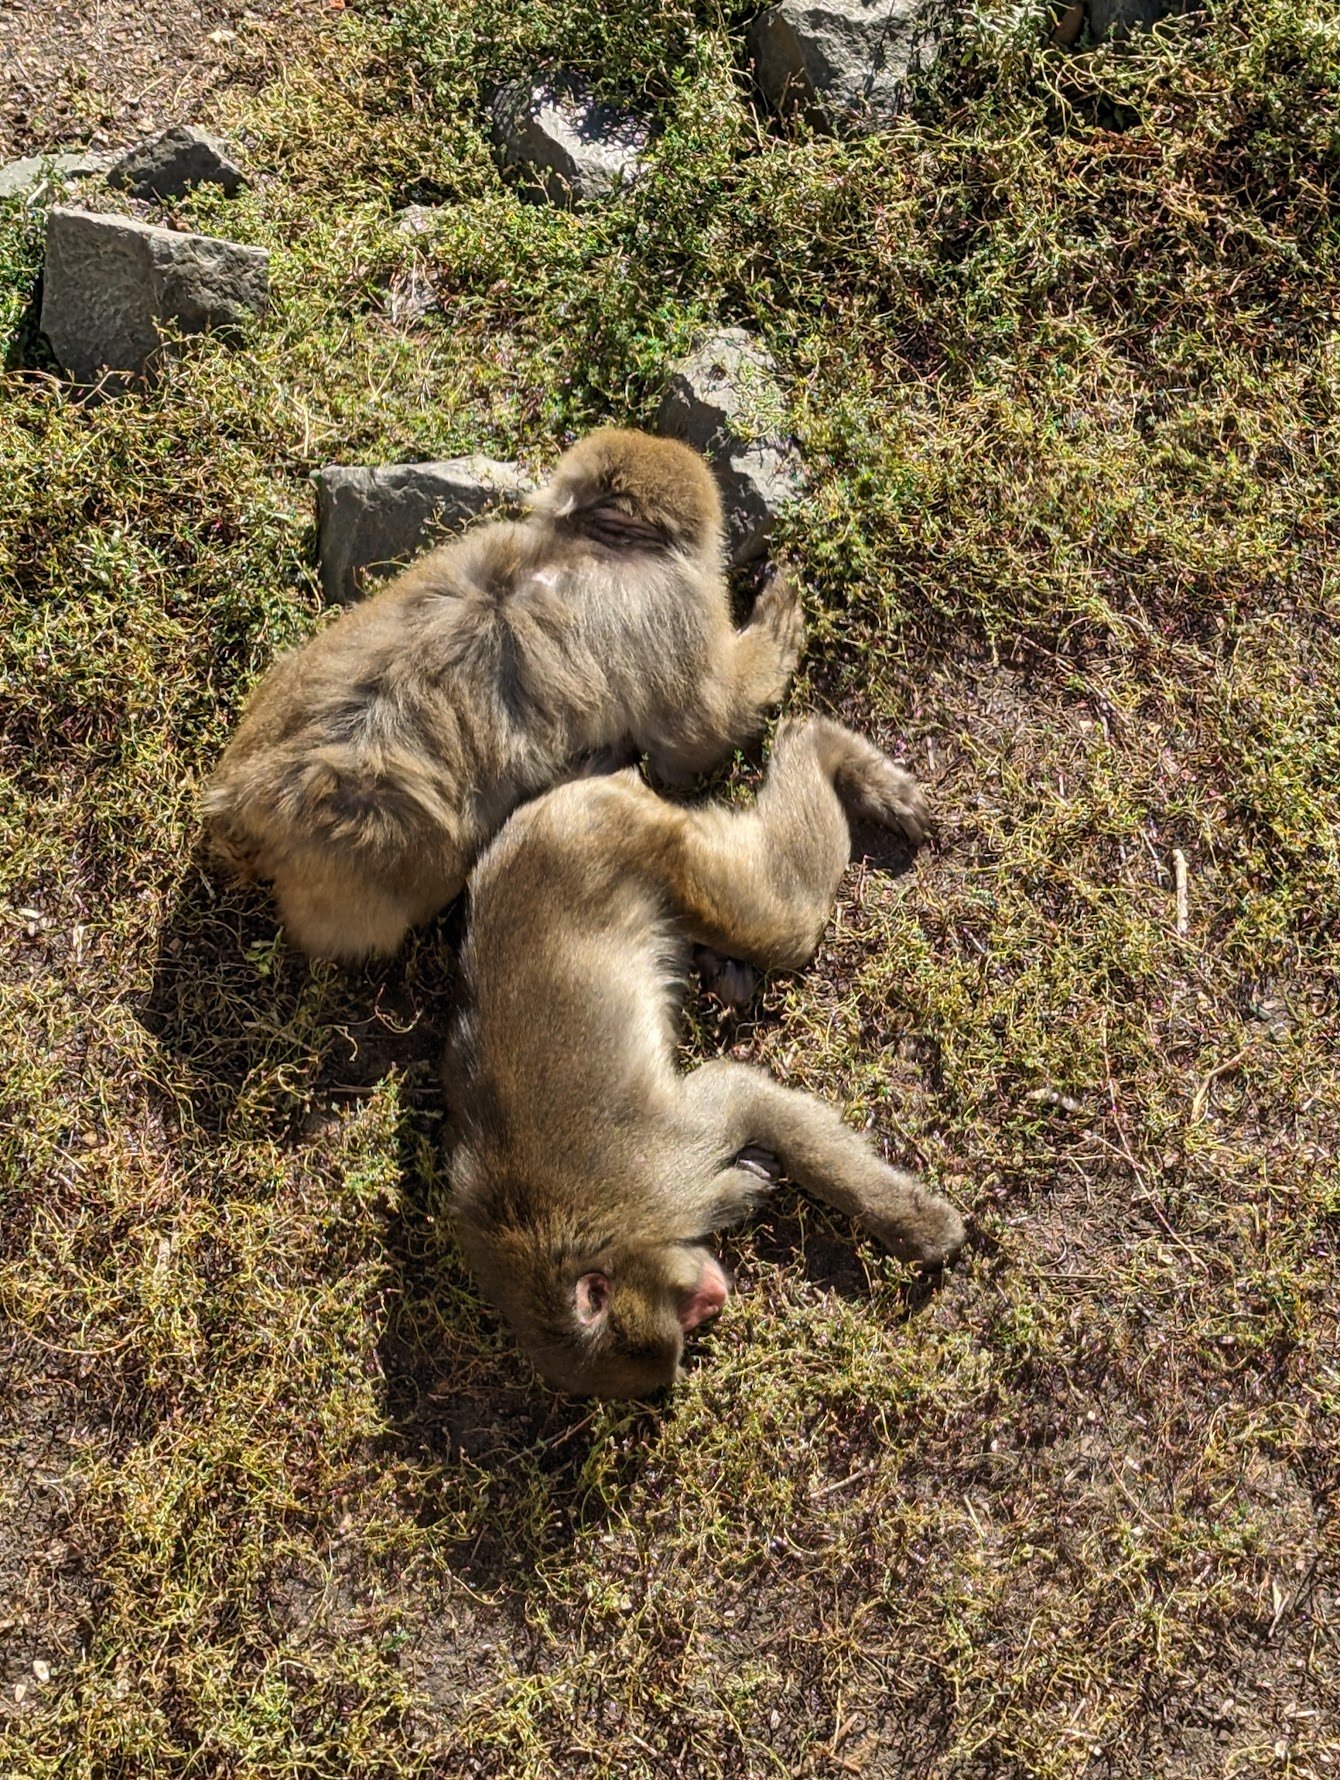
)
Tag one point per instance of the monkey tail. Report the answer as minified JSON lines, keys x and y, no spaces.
{"x":869,"y":784}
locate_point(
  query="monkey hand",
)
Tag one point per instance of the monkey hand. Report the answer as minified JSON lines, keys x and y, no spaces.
{"x":779,"y":615}
{"x":914,"y":1223}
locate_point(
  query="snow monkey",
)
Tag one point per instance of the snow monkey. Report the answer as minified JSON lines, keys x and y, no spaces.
{"x":375,"y":762}
{"x":588,"y":1172}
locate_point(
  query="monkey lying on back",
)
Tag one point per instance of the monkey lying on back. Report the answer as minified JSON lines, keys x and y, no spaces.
{"x":374,"y":762}
{"x":587,"y":1171}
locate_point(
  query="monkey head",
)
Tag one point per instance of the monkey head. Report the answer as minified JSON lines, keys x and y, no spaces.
{"x":609,"y":1323}
{"x":633,"y":491}
{"x":630,"y":1316}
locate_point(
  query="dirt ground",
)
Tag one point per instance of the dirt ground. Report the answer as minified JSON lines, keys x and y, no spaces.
{"x":113,"y":71}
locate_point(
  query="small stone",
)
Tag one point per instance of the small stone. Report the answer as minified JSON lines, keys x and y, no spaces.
{"x":409,"y":299}
{"x":110,"y":283}
{"x":41,"y":1669}
{"x":377,"y":518}
{"x":725,"y":399}
{"x":564,"y":145}
{"x":27,"y":178}
{"x":845,"y":63}
{"x":416,"y":219}
{"x":175,"y":163}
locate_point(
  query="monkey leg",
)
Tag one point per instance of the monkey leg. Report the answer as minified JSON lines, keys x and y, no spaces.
{"x":746,"y":1112}
{"x":759,"y":884}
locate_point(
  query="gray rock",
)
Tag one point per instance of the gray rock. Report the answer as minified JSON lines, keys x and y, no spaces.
{"x":725,"y":399}
{"x":417,"y":219}
{"x":109,"y":284}
{"x":562,"y":143}
{"x":1118,"y":18}
{"x":408,"y":299}
{"x":370,"y":518}
{"x":174,"y":163}
{"x":26,"y":178}
{"x":843,"y":62}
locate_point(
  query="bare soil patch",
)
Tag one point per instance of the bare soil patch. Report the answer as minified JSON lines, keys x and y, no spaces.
{"x":117,"y":70}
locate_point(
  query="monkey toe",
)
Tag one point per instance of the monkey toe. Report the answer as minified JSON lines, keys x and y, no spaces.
{"x":905,"y":806}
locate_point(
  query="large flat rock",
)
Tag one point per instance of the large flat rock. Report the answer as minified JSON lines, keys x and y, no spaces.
{"x":376,"y":518}
{"x":110,"y":285}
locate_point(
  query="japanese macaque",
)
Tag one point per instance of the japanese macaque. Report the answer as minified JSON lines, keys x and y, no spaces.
{"x":376,"y":761}
{"x":588,"y":1171}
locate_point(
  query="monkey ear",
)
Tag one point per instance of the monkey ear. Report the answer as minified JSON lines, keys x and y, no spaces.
{"x":591,"y":1298}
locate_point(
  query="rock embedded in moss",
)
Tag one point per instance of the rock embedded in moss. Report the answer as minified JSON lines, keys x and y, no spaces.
{"x":564,"y":145}
{"x":175,"y":163}
{"x":844,"y":63}
{"x":724,"y":398}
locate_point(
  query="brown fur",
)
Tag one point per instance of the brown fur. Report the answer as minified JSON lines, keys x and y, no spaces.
{"x":375,"y":762}
{"x":588,"y":1171}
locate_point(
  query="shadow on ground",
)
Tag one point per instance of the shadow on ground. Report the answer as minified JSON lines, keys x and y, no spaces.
{"x":249,"y":1023}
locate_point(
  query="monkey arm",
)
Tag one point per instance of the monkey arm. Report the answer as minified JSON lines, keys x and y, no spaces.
{"x":743,"y":1108}
{"x":748,"y":674}
{"x":768,"y":648}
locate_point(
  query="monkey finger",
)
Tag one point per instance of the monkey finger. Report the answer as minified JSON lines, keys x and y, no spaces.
{"x":730,"y":980}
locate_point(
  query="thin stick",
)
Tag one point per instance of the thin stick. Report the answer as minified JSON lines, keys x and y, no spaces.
{"x":842,"y":1482}
{"x":1202,"y":1093}
{"x":1179,"y":879}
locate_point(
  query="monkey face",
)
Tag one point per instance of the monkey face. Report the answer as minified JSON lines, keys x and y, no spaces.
{"x":628,"y":1319}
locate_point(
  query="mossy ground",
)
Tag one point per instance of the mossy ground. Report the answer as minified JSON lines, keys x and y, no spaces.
{"x":277,"y":1497}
